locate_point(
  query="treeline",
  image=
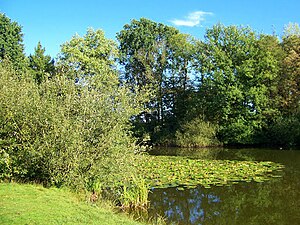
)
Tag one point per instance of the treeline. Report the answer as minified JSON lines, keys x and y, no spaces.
{"x":233,"y":87}
{"x":83,"y":116}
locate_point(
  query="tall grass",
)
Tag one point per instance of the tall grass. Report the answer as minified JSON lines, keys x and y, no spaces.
{"x":134,"y":194}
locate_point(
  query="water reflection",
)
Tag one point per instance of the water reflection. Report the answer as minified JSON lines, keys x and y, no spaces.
{"x":273,"y":202}
{"x":203,"y":153}
{"x":188,"y":206}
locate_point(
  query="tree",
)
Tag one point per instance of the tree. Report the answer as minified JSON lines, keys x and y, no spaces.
{"x":290,"y":73}
{"x":11,"y":42}
{"x":179,"y":83}
{"x":60,"y":132}
{"x":283,"y":129}
{"x":157,"y":57}
{"x":41,"y":64}
{"x":85,"y":57}
{"x":144,"y":55}
{"x":291,"y":29}
{"x":235,"y":76}
{"x":105,"y":106}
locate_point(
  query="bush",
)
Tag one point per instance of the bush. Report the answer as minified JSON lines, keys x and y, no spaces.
{"x":284,"y":131}
{"x":238,"y":131}
{"x":5,"y":169}
{"x":59,"y":133}
{"x":197,"y":133}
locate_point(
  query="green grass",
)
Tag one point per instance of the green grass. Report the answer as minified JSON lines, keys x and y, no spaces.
{"x":34,"y":204}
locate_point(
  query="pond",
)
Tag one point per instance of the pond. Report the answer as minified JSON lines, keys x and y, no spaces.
{"x":276,"y":201}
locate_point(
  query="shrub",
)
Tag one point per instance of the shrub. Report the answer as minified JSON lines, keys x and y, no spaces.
{"x":197,"y":133}
{"x":60,"y":133}
{"x":71,"y":129}
{"x":284,"y":131}
{"x":5,"y":167}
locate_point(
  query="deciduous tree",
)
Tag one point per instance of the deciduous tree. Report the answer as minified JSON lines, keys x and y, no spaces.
{"x":235,"y":74}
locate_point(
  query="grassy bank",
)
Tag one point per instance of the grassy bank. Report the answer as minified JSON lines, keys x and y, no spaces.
{"x":33,"y":204}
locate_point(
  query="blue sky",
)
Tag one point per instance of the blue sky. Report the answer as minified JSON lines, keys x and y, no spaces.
{"x":55,"y":22}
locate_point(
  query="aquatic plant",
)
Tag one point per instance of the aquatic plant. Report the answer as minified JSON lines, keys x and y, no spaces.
{"x":170,"y":171}
{"x":134,"y":194}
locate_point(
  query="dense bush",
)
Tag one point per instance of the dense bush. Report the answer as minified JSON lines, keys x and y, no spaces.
{"x":197,"y":133}
{"x":64,"y":134}
{"x":284,"y":131}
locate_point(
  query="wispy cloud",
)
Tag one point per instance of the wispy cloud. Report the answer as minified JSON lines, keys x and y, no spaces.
{"x":192,"y":19}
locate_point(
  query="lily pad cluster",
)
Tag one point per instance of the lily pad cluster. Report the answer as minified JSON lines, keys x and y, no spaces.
{"x":168,"y":171}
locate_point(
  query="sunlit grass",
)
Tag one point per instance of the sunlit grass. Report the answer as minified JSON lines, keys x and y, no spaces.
{"x":33,"y":204}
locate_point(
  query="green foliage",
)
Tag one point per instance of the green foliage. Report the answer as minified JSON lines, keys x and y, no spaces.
{"x":235,"y":78}
{"x":41,"y":64}
{"x":238,"y":131}
{"x":143,"y":49}
{"x":157,"y":58}
{"x":144,"y":55}
{"x":64,"y":134}
{"x":88,"y":56}
{"x":283,"y":131}
{"x":197,"y":133}
{"x":281,"y":128}
{"x":236,"y":74}
{"x":11,"y":42}
{"x":134,"y":193}
{"x":174,"y":171}
{"x":291,"y":29}
{"x":5,"y":166}
{"x":289,"y":91}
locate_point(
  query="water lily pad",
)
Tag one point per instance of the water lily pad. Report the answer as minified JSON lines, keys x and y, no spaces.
{"x":180,"y":188}
{"x":170,"y":171}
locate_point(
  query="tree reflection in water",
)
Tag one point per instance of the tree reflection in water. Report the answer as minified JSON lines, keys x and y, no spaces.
{"x":187,"y":205}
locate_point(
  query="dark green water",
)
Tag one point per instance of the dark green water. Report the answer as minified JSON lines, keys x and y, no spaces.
{"x":273,"y":202}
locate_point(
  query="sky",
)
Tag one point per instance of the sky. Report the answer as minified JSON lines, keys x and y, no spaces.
{"x":55,"y":22}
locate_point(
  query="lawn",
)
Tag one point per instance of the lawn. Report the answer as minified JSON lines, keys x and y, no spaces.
{"x":34,"y":204}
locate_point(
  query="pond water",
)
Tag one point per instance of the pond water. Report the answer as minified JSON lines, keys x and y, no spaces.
{"x":273,"y":202}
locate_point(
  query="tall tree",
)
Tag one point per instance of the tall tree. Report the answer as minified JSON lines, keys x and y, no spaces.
{"x":41,"y":64}
{"x":144,"y":49}
{"x":11,"y":42}
{"x":234,"y":74}
{"x":105,"y":113}
{"x":158,"y":58}
{"x":285,"y":128}
{"x":87,"y":56}
{"x":290,"y":74}
{"x":179,"y":84}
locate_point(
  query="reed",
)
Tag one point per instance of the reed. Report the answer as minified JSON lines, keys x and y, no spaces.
{"x":134,"y":194}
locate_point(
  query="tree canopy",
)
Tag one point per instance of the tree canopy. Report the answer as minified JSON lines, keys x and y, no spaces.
{"x":41,"y":64}
{"x":11,"y":42}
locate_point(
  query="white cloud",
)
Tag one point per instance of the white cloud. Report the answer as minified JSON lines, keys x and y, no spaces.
{"x":193,"y":19}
